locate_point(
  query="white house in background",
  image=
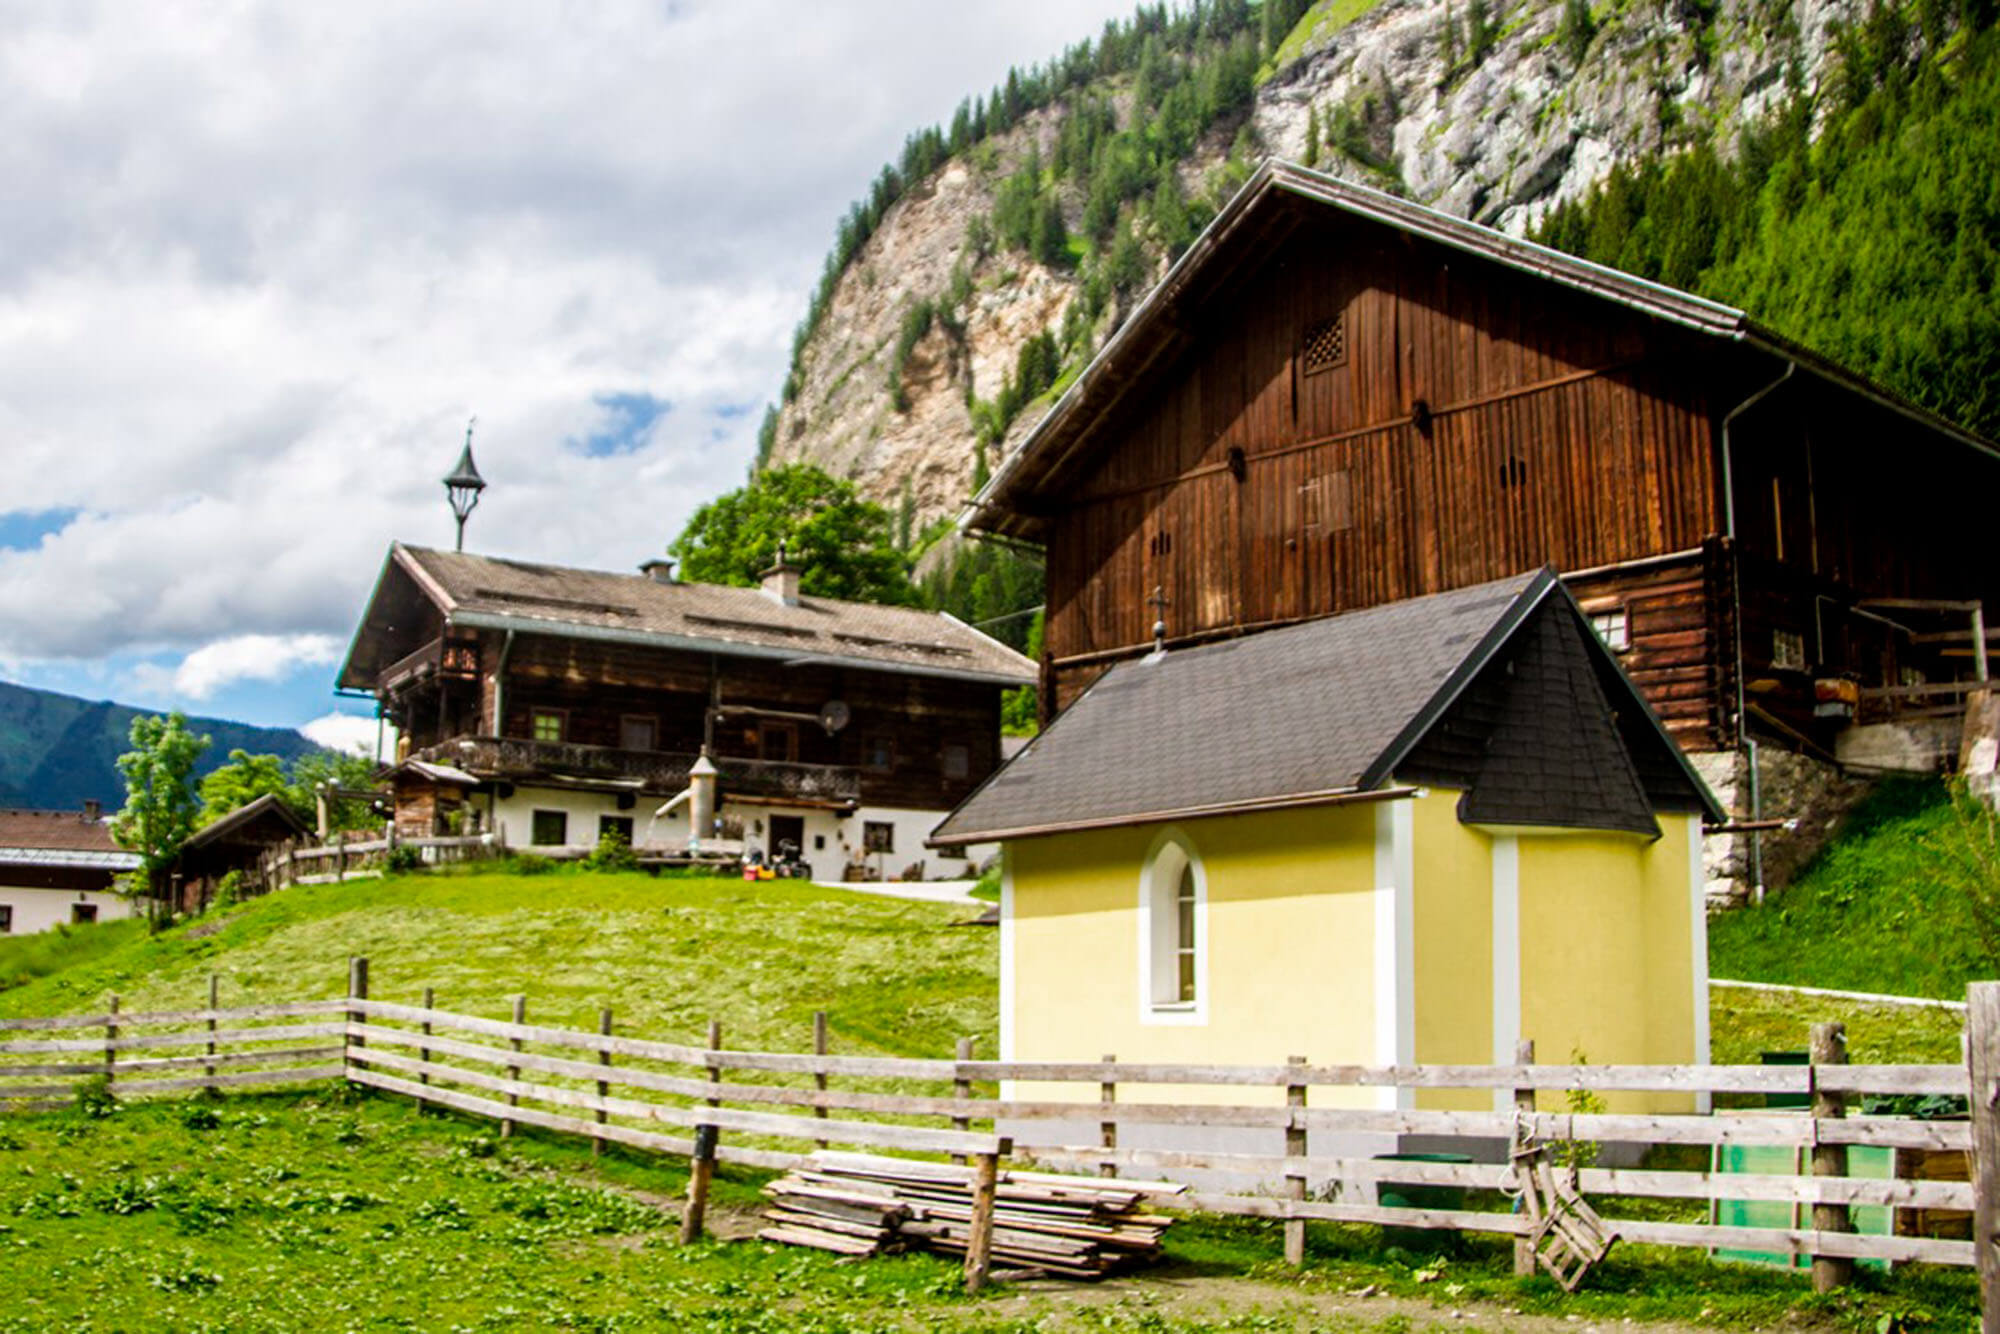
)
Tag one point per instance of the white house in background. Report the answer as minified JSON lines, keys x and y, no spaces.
{"x":57,"y":867}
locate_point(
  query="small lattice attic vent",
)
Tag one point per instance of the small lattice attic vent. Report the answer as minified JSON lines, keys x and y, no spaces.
{"x":1325,"y":344}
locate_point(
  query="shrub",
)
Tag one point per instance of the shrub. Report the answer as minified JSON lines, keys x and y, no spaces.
{"x":94,"y":1098}
{"x":404,"y":860}
{"x":528,"y":863}
{"x":612,"y":853}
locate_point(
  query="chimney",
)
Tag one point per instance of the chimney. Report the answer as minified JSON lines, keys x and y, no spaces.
{"x":781,"y":581}
{"x":92,"y":811}
{"x":660,"y":569}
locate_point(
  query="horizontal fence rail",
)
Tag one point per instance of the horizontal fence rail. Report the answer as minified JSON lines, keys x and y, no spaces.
{"x":1296,"y":1142}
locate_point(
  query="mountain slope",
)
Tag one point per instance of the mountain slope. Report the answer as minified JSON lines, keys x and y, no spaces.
{"x":989,"y":264}
{"x":57,"y":751}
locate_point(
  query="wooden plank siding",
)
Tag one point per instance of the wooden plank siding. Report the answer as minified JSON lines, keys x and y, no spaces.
{"x":1479,"y":421}
{"x":1479,"y":424}
{"x":597,"y":685}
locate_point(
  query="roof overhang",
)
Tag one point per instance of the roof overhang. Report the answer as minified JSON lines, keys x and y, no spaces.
{"x":1346,"y":796}
{"x":487,"y":620}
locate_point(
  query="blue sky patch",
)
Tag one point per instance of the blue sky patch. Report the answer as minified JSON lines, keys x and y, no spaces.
{"x":622,"y":427}
{"x":23,"y":530}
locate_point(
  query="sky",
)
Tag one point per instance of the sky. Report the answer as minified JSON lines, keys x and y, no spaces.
{"x":262,"y":263}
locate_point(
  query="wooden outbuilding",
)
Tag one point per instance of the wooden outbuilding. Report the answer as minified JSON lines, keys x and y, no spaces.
{"x":1338,"y":399}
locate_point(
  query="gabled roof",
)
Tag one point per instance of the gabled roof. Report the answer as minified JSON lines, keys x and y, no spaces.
{"x":261,"y":822}
{"x":1501,"y":689}
{"x":1265,"y":210}
{"x":60,"y":838}
{"x":487,"y":592}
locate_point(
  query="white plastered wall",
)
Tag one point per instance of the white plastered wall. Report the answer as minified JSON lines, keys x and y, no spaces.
{"x":42,"y":909}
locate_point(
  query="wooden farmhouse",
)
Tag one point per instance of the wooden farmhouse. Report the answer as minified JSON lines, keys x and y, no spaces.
{"x":57,"y":868}
{"x":1337,"y":399}
{"x":550,"y":705}
{"x":1412,"y":833}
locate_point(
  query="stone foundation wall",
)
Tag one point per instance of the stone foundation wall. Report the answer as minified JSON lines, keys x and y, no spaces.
{"x":1791,"y":787}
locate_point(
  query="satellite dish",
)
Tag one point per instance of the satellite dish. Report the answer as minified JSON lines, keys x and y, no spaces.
{"x":834,"y":715}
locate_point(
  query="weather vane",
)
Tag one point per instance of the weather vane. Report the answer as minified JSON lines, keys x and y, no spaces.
{"x":464,"y":485}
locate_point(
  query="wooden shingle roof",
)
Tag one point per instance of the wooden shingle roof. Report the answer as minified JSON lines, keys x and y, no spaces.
{"x":488,"y":592}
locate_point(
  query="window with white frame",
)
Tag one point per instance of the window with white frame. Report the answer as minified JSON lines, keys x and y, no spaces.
{"x":1613,"y":628}
{"x":1174,"y":910}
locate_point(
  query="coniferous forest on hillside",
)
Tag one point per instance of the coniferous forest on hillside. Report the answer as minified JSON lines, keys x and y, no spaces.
{"x":1876,"y":243}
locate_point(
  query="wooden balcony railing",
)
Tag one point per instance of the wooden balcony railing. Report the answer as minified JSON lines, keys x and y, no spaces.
{"x":518,"y":759}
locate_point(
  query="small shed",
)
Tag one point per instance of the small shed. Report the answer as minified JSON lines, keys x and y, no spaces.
{"x":234,"y":842}
{"x":1414,"y":833}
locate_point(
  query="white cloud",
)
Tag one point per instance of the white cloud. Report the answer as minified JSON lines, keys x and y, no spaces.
{"x":345,"y":731}
{"x":275,"y":257}
{"x":249,"y":658}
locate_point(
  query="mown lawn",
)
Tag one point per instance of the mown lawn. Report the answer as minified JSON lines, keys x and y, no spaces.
{"x":666,"y":954}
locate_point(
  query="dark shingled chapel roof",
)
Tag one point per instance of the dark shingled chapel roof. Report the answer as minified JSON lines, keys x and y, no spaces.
{"x":1500,"y":689}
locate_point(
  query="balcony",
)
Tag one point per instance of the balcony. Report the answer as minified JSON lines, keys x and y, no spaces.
{"x":519,"y":760}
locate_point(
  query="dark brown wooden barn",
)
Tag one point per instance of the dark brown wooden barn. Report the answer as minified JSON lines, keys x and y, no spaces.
{"x":1338,"y":399}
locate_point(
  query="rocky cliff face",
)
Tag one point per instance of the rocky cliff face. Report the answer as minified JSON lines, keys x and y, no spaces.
{"x":1496,"y":114}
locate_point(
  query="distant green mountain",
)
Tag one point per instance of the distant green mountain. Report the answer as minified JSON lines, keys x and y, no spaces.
{"x":57,"y":751}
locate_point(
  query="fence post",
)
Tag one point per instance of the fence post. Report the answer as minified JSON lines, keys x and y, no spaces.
{"x":357,"y":989}
{"x":1107,"y":1129}
{"x":424,"y":1053}
{"x":520,"y":1013}
{"x":979,"y":1240}
{"x":714,"y":1070}
{"x":1982,"y":1061}
{"x":961,"y":1090}
{"x":603,"y":1086}
{"x":1524,"y":1106}
{"x":214,"y":990}
{"x":1829,"y":1047}
{"x":819,"y":1076}
{"x":1295,"y":1183}
{"x":701,"y":1168}
{"x":111,"y":1044}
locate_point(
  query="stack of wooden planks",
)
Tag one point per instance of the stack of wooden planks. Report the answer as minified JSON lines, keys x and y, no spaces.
{"x":859,"y":1204}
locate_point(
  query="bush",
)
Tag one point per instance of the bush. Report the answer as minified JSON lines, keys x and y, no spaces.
{"x":94,"y":1098}
{"x":404,"y":860}
{"x":528,"y":863}
{"x":612,"y":853}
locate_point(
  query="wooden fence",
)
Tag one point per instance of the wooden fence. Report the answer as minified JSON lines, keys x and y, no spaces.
{"x":771,"y":1110}
{"x":353,"y":856}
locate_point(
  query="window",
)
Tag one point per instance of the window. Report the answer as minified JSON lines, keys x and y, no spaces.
{"x":778,"y":741}
{"x":878,"y":836}
{"x":957,"y":760}
{"x":1324,"y":345}
{"x":549,"y":829}
{"x":546,"y":724}
{"x":1173,"y":912}
{"x":638,"y":733}
{"x":6,"y":919}
{"x":1613,"y":628}
{"x":1788,"y":650}
{"x":82,"y":914}
{"x":878,"y":753}
{"x":621,"y":825}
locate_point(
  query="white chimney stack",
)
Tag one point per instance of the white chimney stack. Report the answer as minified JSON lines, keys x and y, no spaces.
{"x":781,"y":581}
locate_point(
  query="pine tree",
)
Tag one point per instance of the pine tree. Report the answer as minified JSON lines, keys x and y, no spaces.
{"x":1312,"y":136}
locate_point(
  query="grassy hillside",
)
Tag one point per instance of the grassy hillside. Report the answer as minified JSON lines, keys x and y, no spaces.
{"x":1874,"y":912}
{"x":667,"y":955}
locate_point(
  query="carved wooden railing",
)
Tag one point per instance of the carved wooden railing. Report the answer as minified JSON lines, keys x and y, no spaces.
{"x":519,"y":759}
